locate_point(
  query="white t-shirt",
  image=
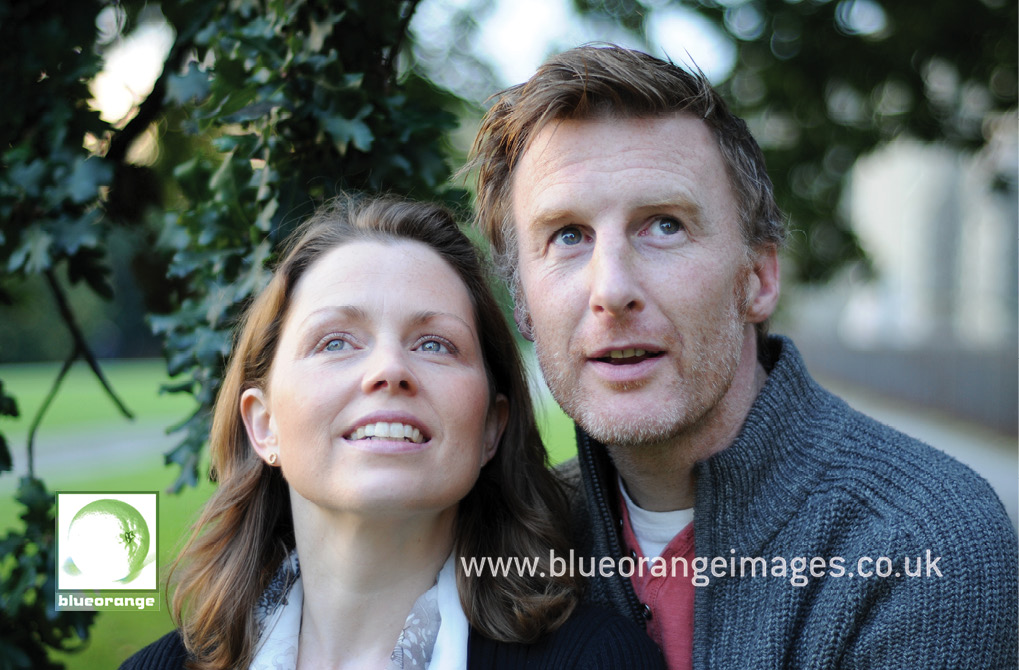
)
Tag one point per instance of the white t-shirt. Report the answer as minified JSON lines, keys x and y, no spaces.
{"x":654,"y":530}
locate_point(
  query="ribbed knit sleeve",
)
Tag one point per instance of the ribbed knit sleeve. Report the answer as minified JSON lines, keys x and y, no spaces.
{"x":810,"y":478}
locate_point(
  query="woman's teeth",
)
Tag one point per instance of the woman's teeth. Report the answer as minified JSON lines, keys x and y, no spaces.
{"x":392,"y":431}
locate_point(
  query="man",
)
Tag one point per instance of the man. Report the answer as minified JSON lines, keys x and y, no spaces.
{"x":632,"y":215}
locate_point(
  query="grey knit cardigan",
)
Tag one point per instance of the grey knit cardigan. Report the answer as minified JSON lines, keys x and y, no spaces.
{"x":808,"y":477}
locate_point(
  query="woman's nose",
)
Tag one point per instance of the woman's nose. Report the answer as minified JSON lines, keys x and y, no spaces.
{"x":389,"y":370}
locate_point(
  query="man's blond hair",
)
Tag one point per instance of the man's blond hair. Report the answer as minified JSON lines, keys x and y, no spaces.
{"x":592,"y":82}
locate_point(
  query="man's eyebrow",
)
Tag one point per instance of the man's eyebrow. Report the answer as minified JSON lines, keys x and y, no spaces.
{"x":551,"y":217}
{"x":688,"y":207}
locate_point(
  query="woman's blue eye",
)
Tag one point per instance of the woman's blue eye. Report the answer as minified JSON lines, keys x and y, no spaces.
{"x":569,"y":236}
{"x":336,"y":344}
{"x":434,"y":346}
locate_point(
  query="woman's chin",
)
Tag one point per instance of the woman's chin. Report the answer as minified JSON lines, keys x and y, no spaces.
{"x":389,"y":494}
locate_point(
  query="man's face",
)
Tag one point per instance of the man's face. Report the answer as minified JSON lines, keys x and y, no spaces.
{"x":639,"y":287}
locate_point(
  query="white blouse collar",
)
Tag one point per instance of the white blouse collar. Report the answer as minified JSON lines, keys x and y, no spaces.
{"x":278,"y":617}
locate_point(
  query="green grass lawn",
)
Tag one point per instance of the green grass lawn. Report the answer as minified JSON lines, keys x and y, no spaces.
{"x":557,"y":433}
{"x":81,"y":400}
{"x":82,"y":405}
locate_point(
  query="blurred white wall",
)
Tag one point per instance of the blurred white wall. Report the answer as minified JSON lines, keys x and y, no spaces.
{"x":938,"y":323}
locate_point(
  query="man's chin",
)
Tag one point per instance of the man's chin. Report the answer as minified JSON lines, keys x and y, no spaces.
{"x":629,"y":430}
{"x":611,"y":417}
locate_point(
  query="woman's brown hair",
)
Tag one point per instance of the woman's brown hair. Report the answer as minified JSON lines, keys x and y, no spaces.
{"x":245,"y":529}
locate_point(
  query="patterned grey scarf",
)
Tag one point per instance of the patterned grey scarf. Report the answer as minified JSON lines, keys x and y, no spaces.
{"x":277,"y":617}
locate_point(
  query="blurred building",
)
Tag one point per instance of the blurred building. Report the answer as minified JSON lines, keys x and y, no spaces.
{"x":938,"y":324}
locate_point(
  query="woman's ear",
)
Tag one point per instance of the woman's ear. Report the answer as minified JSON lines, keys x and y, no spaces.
{"x":259,"y":424}
{"x":495,"y":424}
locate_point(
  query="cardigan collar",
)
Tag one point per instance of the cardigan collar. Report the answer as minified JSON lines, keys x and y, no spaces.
{"x":747,"y":491}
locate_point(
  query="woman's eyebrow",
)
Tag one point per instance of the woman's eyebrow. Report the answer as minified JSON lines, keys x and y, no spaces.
{"x":424,"y":316}
{"x":355,"y":313}
{"x":351,"y":312}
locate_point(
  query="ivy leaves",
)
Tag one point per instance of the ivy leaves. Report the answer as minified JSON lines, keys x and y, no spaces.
{"x":291,"y":104}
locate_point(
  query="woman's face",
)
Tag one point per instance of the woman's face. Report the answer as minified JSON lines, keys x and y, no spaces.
{"x":378,"y":400}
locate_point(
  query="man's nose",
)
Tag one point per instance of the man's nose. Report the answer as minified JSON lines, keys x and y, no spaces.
{"x":615,"y":289}
{"x":389,"y":370}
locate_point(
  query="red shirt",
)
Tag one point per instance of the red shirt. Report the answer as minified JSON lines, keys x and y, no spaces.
{"x":669,"y":597}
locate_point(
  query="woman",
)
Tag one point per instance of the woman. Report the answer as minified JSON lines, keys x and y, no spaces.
{"x":373,"y":427}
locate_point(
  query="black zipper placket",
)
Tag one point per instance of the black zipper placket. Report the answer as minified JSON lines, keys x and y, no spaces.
{"x":604,"y":513}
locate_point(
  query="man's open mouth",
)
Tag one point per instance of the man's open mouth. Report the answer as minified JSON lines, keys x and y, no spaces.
{"x":628,"y":356}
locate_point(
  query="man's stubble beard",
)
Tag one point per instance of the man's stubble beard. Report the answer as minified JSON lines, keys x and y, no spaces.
{"x":699,"y":390}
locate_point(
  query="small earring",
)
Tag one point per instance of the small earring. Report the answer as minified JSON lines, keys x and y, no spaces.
{"x":273,"y":458}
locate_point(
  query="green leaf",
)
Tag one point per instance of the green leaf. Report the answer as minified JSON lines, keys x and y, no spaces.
{"x":317,"y":34}
{"x":5,"y":455}
{"x":218,"y":301}
{"x":264,"y":219}
{"x":28,"y":176}
{"x":212,"y":346}
{"x":234,"y":100}
{"x":190,"y":87}
{"x":80,"y":233}
{"x":186,"y":456}
{"x":180,"y":387}
{"x":172,"y":236}
{"x":345,"y":131}
{"x":257,"y":275}
{"x":37,"y":500}
{"x":88,"y":265}
{"x":86,"y":178}
{"x":8,"y":405}
{"x":256,"y":110}
{"x":223,"y":180}
{"x":33,"y":255}
{"x":162,"y":324}
{"x":192,"y":176}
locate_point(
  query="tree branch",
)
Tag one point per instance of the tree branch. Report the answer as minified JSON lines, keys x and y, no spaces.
{"x":147,"y":113}
{"x":81,"y":346}
{"x":149,"y":110}
{"x":45,"y":406}
{"x":394,"y":51}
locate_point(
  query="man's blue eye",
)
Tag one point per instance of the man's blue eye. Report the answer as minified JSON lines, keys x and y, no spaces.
{"x":667,"y":226}
{"x":570,"y":236}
